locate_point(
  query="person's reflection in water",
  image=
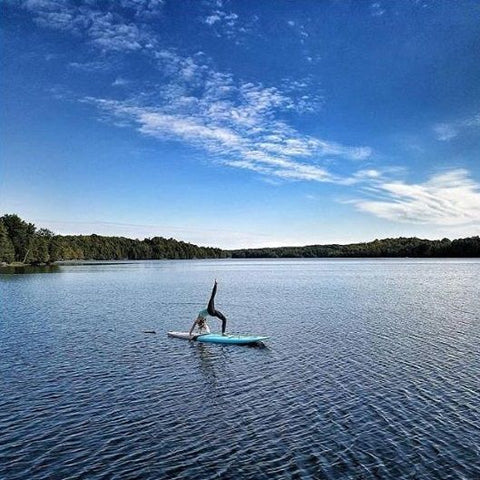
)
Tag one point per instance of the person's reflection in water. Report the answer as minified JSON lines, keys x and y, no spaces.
{"x":212,"y":358}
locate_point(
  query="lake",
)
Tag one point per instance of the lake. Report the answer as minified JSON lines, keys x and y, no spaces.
{"x":371,"y":371}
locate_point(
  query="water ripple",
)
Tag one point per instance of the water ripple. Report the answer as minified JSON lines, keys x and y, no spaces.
{"x":371,"y":372}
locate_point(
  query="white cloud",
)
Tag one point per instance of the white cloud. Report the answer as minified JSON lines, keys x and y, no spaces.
{"x":211,"y":19}
{"x":232,"y":148}
{"x":94,"y":66}
{"x":189,"y":129}
{"x":110,"y":34}
{"x":307,"y":93}
{"x":240,"y":124}
{"x":472,"y":121}
{"x":445,"y":132}
{"x":120,"y":82}
{"x":449,"y":198}
{"x":108,"y":30}
{"x":376,"y":9}
{"x":448,"y":131}
{"x":224,"y":23}
{"x":145,"y":9}
{"x":367,"y":173}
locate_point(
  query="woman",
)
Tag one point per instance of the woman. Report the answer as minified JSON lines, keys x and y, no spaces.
{"x":201,"y":320}
{"x":202,"y":326}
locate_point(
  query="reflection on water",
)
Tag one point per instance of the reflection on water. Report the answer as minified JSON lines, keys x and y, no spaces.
{"x":9,"y":270}
{"x":371,"y":371}
{"x":208,"y":356}
{"x":212,"y":357}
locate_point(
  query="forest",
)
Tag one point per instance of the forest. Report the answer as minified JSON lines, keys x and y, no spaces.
{"x":389,"y":247}
{"x":21,"y":242}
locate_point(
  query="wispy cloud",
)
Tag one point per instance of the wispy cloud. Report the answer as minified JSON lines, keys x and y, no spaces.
{"x":307,"y":91}
{"x":445,"y":131}
{"x":94,"y":66}
{"x":145,"y":9}
{"x":227,"y":20}
{"x":299,"y":29}
{"x":450,"y":198}
{"x":120,"y":82}
{"x":223,"y":22}
{"x":376,"y":9}
{"x":448,"y":131}
{"x":108,"y":29}
{"x":238,"y":135}
{"x":240,"y":124}
{"x":367,"y":173}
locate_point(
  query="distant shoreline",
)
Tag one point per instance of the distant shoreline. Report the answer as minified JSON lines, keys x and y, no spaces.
{"x":21,"y":243}
{"x":54,"y":266}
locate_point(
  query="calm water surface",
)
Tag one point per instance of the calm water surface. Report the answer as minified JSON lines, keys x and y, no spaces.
{"x":371,"y":371}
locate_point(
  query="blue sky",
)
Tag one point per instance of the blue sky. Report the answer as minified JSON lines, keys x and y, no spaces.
{"x":242,"y":123}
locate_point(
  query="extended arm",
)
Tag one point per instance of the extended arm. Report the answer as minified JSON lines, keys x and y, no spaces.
{"x":193,"y":326}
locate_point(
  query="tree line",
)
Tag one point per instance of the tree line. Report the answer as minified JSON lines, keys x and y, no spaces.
{"x":22,"y":242}
{"x":388,"y":247}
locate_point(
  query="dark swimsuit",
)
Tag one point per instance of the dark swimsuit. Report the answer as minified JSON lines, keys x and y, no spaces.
{"x":215,"y":313}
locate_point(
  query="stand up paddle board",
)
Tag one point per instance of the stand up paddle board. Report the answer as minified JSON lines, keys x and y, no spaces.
{"x":218,"y":338}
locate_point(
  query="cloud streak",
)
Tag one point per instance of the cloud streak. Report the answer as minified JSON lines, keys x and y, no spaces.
{"x":107,"y":29}
{"x":241,"y":124}
{"x":247,"y":141}
{"x":228,"y":24}
{"x":448,"y":131}
{"x":448,"y":199}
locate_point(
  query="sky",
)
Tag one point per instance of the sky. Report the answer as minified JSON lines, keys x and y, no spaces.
{"x":242,"y":123}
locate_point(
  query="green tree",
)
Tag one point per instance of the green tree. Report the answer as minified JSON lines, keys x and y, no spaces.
{"x":38,"y":252}
{"x":7,"y":252}
{"x":21,"y":234}
{"x":55,"y":249}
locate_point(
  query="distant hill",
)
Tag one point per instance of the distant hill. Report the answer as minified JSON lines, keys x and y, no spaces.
{"x":22,"y":242}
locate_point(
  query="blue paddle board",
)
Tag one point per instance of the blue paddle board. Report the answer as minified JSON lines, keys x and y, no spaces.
{"x":218,"y":338}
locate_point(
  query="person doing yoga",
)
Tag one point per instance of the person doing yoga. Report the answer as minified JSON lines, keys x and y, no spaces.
{"x":201,"y":320}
